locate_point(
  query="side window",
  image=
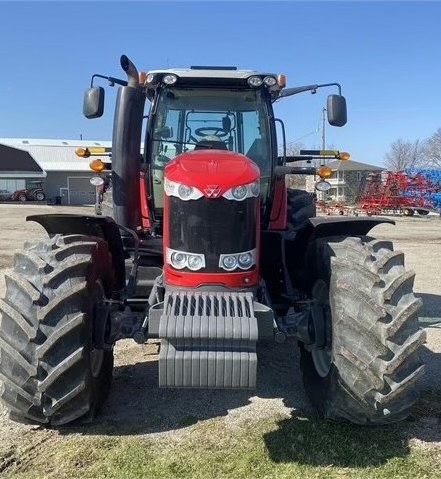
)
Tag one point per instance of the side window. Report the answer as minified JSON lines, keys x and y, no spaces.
{"x":255,"y":141}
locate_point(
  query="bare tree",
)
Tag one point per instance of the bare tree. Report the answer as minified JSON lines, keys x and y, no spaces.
{"x":432,"y":149}
{"x":405,"y":154}
{"x":295,"y":181}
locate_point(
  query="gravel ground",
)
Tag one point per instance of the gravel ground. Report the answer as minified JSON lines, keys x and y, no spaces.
{"x":137,"y":406}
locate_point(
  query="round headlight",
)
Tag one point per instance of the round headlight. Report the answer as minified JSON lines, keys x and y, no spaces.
{"x":229,"y":262}
{"x":269,"y":81}
{"x":255,"y":188}
{"x":170,"y":79}
{"x":194,"y":262}
{"x":178,"y":260}
{"x":184,"y":191}
{"x":96,"y":180}
{"x":255,"y":81}
{"x":150,"y":78}
{"x":323,"y":185}
{"x":239,"y":192}
{"x":245,"y":260}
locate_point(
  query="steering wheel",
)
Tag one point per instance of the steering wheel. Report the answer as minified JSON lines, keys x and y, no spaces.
{"x":211,"y":130}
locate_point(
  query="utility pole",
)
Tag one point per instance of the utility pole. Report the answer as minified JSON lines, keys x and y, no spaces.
{"x":323,"y":130}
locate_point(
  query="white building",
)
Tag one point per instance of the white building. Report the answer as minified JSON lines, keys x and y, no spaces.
{"x":66,"y":175}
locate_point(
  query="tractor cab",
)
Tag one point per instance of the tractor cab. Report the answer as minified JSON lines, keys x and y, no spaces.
{"x":195,"y":110}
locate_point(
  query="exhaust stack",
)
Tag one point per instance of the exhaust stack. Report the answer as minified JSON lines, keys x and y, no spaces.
{"x":126,"y":149}
{"x":131,"y":71}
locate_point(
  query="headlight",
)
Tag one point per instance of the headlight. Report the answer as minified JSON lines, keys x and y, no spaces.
{"x":255,"y":81}
{"x":239,"y":192}
{"x":181,"y":260}
{"x":96,"y":180}
{"x":323,"y":185}
{"x":269,"y":81}
{"x":170,"y":79}
{"x":229,"y":262}
{"x":242,"y":192}
{"x":183,"y":192}
{"x":244,"y":260}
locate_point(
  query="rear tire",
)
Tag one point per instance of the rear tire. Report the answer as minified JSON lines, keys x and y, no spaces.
{"x":300,"y":207}
{"x":39,"y":196}
{"x":54,"y":364}
{"x":367,"y":371}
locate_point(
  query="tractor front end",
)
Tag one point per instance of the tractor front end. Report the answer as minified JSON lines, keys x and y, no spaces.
{"x":208,"y":326}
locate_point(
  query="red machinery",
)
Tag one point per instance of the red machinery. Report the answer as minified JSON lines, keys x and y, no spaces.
{"x":396,"y":192}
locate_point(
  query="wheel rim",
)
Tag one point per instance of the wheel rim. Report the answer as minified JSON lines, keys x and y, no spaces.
{"x":322,"y":317}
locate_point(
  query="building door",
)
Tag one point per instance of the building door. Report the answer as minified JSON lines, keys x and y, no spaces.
{"x":81,"y":192}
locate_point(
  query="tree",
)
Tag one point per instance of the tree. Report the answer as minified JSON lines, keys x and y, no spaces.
{"x":432,"y":149}
{"x":406,"y":154}
{"x":295,"y":181}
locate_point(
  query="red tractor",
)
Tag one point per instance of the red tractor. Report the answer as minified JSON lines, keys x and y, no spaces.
{"x":33,"y":192}
{"x":208,"y":251}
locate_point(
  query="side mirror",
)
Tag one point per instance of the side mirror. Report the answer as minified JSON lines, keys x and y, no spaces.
{"x":164,"y":132}
{"x":336,"y":110}
{"x":93,"y":105}
{"x":226,"y":124}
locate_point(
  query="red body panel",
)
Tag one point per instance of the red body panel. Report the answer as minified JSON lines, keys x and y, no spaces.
{"x":205,"y":169}
{"x":146,"y":221}
{"x":279,"y":208}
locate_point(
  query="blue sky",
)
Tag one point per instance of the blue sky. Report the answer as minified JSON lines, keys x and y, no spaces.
{"x":386,"y":55}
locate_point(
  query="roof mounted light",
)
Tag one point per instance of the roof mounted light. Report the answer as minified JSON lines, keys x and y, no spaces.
{"x":170,"y":79}
{"x":269,"y":81}
{"x":142,"y":76}
{"x":281,"y":80}
{"x":255,"y":81}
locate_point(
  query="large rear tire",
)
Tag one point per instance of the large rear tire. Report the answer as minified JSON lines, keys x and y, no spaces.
{"x":367,"y":369}
{"x":55,"y":366}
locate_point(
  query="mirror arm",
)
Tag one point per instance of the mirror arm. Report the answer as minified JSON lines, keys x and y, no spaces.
{"x":311,"y":88}
{"x":294,"y":170}
{"x":111,"y":80}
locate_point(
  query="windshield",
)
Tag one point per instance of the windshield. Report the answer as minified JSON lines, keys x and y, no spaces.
{"x":236,"y":120}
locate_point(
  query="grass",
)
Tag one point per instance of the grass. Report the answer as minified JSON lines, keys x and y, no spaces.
{"x":281,"y":447}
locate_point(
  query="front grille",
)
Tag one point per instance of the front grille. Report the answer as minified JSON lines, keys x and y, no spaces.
{"x":212,"y":227}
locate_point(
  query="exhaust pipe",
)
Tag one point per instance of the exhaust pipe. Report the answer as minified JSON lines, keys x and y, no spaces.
{"x":131,"y":71}
{"x":126,"y":149}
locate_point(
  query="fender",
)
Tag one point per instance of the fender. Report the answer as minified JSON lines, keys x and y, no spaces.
{"x":297,"y":242}
{"x":102,"y":227}
{"x":318,"y":227}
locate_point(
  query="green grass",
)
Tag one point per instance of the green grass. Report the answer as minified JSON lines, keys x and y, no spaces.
{"x":303,"y":447}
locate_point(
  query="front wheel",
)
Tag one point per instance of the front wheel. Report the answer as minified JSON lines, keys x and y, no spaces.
{"x":365,"y":362}
{"x":55,"y":363}
{"x":40,"y":196}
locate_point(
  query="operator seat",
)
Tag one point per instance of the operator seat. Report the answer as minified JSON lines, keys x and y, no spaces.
{"x":211,"y":142}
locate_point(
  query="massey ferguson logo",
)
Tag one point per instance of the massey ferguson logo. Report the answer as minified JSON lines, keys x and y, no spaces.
{"x":212,"y":191}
